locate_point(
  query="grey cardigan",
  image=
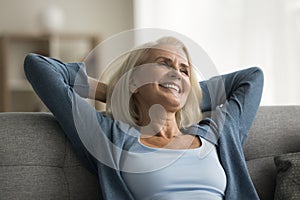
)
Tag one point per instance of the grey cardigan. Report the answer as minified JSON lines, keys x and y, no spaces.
{"x":231,"y":99}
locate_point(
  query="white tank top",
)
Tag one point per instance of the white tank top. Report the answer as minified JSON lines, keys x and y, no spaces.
{"x":175,"y":174}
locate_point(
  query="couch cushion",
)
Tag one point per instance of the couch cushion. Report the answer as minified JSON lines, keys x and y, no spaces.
{"x":288,"y":176}
{"x":275,"y":131}
{"x":38,"y":162}
{"x":33,"y":182}
{"x":31,"y":140}
{"x":263,"y":173}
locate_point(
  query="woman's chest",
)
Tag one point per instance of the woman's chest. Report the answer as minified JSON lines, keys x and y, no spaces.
{"x":167,"y":171}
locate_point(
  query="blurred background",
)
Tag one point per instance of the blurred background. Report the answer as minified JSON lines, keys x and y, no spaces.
{"x":236,"y":34}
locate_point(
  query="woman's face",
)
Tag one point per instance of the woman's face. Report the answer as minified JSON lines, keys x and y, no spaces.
{"x":164,"y":79}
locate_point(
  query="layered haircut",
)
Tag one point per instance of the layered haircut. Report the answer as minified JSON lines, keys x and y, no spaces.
{"x":120,"y":101}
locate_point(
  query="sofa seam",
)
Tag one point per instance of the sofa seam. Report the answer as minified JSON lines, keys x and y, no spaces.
{"x":35,"y":165}
{"x":260,"y":157}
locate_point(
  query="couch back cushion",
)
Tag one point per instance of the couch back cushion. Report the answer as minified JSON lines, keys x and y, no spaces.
{"x":37,"y":161}
{"x":276,"y":131}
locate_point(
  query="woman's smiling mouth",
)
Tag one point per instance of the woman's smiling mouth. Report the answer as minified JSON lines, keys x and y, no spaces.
{"x":171,"y":86}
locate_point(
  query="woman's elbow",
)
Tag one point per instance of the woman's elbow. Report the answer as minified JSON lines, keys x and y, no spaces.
{"x":31,"y":64}
{"x":258,"y":80}
{"x":258,"y":76}
{"x":259,"y":73}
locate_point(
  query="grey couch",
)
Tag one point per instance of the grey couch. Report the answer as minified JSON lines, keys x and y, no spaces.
{"x":37,"y":161}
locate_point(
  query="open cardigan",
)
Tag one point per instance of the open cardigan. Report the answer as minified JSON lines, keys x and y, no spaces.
{"x":232,"y":100}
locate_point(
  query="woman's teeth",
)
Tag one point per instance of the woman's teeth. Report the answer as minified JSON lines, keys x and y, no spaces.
{"x":171,"y":86}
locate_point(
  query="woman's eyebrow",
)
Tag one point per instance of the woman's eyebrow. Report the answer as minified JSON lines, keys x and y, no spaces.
{"x":185,"y":65}
{"x":169,"y":60}
{"x":165,"y":58}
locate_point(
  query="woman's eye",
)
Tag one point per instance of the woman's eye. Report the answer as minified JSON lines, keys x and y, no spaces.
{"x":164,"y":64}
{"x":185,"y":72}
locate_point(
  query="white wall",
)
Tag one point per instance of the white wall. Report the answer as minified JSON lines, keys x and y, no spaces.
{"x":237,"y":34}
{"x":106,"y":17}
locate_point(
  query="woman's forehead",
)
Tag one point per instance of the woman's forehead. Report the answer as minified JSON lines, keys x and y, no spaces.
{"x":169,"y":51}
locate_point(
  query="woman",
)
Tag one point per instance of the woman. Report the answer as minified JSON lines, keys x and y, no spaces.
{"x":153,"y":142}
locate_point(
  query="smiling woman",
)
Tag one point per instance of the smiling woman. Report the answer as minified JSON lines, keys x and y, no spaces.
{"x":162,"y":76}
{"x":152,"y":141}
{"x":146,"y":77}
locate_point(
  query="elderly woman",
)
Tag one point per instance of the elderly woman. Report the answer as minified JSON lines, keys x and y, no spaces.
{"x":152,"y":142}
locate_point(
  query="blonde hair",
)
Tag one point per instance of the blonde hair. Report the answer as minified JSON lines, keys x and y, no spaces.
{"x":119,"y":103}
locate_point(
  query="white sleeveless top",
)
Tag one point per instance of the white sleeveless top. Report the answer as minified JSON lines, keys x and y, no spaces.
{"x":169,"y":174}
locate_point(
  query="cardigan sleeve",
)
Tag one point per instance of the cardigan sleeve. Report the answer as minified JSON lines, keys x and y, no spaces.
{"x":58,"y":85}
{"x":234,"y":99}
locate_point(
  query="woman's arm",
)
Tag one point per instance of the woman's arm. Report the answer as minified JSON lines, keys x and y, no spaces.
{"x":58,"y":85}
{"x":97,"y":90}
{"x":238,"y":93}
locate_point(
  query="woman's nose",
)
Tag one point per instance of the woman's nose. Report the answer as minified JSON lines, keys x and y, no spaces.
{"x":174,"y":73}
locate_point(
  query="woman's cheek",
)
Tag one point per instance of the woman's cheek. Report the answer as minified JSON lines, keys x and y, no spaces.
{"x":147,"y":74}
{"x":187,"y":84}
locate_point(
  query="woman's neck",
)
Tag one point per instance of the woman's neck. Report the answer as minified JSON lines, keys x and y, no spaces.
{"x":159,"y":123}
